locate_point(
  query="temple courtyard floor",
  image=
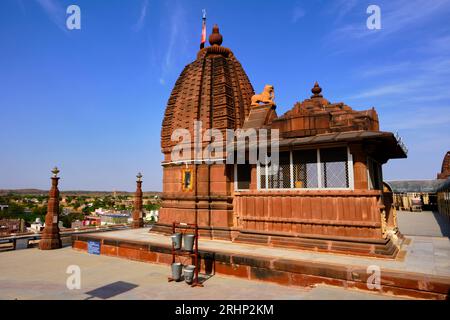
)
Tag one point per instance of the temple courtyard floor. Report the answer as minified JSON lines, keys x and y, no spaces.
{"x":424,"y":267}
{"x":35,"y":274}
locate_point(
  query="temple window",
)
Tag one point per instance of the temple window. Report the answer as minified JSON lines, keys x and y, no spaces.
{"x":324,"y":168}
{"x":374,"y":173}
{"x":281,"y":177}
{"x":334,"y":167}
{"x":305,"y":169}
{"x":243,"y":176}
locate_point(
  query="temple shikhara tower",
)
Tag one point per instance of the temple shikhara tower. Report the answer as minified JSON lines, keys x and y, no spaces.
{"x":215,"y":90}
{"x":327,"y":192}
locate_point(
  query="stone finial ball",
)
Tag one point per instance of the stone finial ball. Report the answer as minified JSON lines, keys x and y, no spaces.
{"x":317,"y":89}
{"x":215,"y":38}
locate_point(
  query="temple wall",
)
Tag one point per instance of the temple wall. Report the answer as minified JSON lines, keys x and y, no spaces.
{"x":353,"y":214}
{"x":443,"y":200}
{"x":209,"y":199}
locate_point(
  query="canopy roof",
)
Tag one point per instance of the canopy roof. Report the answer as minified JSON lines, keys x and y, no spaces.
{"x":411,"y":186}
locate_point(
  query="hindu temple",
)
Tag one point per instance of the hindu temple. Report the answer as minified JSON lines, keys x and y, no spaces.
{"x":299,"y":200}
{"x":327,"y":192}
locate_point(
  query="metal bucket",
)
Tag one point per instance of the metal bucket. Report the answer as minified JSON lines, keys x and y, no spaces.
{"x":176,"y":241}
{"x":188,"y":273}
{"x":176,"y":271}
{"x":188,"y":242}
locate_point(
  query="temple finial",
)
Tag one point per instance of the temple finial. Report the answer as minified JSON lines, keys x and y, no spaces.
{"x":215,"y":39}
{"x":55,"y":172}
{"x":139,"y":176}
{"x":316,"y":91}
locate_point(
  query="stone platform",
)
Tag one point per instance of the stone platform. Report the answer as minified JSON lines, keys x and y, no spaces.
{"x":421,"y":271}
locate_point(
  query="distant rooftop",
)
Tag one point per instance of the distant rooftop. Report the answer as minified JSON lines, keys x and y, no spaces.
{"x":445,"y":185}
{"x":405,"y":186}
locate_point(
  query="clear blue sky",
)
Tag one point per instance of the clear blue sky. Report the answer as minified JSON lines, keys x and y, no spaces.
{"x":92,"y":100}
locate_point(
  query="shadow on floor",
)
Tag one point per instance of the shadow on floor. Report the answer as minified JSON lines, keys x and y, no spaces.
{"x":443,"y":222}
{"x":111,"y":290}
{"x":204,"y":277}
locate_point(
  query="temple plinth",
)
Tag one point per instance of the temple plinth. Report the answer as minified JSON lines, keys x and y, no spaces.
{"x":50,"y":238}
{"x":138,"y":221}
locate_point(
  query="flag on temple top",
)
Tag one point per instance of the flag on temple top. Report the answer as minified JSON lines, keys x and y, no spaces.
{"x":202,"y":44}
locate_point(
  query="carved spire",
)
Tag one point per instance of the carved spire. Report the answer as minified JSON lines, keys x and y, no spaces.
{"x":138,"y":221}
{"x":50,"y":238}
{"x":316,"y":91}
{"x":445,"y":171}
{"x":215,"y":39}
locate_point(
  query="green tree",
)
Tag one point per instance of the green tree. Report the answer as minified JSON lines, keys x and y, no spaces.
{"x":71,"y":217}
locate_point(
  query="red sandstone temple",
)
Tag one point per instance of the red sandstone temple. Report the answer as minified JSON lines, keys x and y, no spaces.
{"x":445,"y":171}
{"x":327,"y":193}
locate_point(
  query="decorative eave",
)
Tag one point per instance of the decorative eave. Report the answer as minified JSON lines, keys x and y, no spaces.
{"x":374,"y":141}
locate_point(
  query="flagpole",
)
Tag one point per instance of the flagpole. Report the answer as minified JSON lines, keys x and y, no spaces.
{"x":202,"y":43}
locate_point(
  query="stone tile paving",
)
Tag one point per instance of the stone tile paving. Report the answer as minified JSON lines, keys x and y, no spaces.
{"x":425,"y":223}
{"x":421,"y":254}
{"x":35,"y":274}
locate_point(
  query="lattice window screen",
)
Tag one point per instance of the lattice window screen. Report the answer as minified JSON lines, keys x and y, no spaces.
{"x":334,"y":167}
{"x":262,"y":177}
{"x":305,"y":168}
{"x":279,"y":175}
{"x":305,"y":174}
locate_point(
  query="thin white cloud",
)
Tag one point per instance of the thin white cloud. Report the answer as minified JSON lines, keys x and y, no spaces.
{"x":297,"y":13}
{"x":55,"y":12}
{"x":383,"y":70}
{"x":410,"y":82}
{"x":387,"y":90}
{"x":176,"y":38}
{"x":143,"y":13}
{"x":420,"y":119}
{"x":341,"y":8}
{"x":396,"y":16}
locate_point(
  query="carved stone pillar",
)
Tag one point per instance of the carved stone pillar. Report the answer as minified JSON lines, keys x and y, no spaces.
{"x":254,"y":178}
{"x":138,"y":221}
{"x":359,"y":166}
{"x":50,"y":238}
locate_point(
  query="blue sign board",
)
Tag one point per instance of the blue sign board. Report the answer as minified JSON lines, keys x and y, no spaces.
{"x":94,"y":247}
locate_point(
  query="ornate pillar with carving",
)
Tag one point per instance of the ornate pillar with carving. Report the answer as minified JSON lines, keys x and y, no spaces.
{"x":50,"y":238}
{"x":138,"y":221}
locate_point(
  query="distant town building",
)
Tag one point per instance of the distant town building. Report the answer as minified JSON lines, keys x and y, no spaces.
{"x":151,"y":216}
{"x":108,"y":217}
{"x":8,"y":226}
{"x":37,"y":226}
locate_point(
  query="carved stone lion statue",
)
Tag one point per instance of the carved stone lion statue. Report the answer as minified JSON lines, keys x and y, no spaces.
{"x":265,"y":97}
